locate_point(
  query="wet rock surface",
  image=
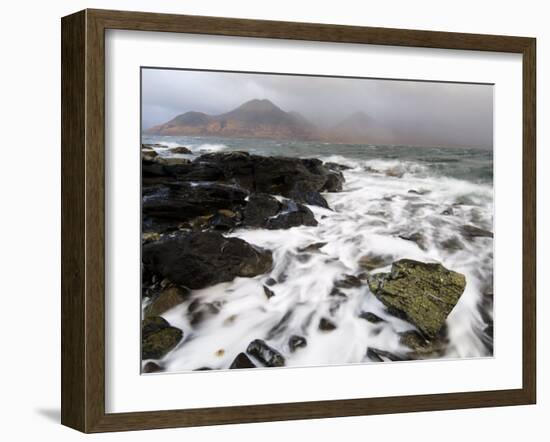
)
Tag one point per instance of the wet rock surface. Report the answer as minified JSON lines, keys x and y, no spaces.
{"x":242,"y":361}
{"x":295,"y":342}
{"x":377,"y":355}
{"x":422,"y":347}
{"x":327,"y":325}
{"x":371,"y":317}
{"x":158,"y":337}
{"x":201,"y":259}
{"x":470,"y":232}
{"x":267,"y":355}
{"x":423,"y":293}
{"x":165,"y":300}
{"x":151,"y":367}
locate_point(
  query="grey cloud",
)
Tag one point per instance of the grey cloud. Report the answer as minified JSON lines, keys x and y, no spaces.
{"x":418,"y":112}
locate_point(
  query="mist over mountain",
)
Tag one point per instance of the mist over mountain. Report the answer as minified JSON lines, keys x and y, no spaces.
{"x":332,"y":109}
{"x":261,"y":118}
{"x":255,"y":118}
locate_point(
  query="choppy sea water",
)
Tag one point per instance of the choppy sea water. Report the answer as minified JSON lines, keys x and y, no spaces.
{"x":390,"y":192}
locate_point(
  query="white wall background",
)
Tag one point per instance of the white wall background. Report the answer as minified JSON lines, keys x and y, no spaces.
{"x":30,"y":221}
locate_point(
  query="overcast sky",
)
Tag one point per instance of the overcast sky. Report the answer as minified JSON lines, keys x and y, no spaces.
{"x":429,"y":112}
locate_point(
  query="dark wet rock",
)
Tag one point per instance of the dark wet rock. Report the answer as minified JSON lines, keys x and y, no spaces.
{"x":180,"y":149}
{"x":424,"y":293}
{"x":335,"y":182}
{"x":168,"y":298}
{"x":242,"y":361}
{"x":310,"y":197}
{"x":448,"y":211}
{"x":464,"y":200}
{"x":153,"y":324}
{"x":185,"y":201}
{"x":158,"y":337}
{"x":274,"y":175}
{"x":199,"y":311}
{"x":222,"y":223}
{"x":452,"y":244}
{"x":152,"y":145}
{"x":470,"y":232}
{"x":150,"y":237}
{"x":268,"y":292}
{"x":151,"y":367}
{"x":292,"y":215}
{"x":371,"y":317}
{"x":372,"y":354}
{"x":267,"y":212}
{"x":419,"y":191}
{"x":259,"y":208}
{"x":172,"y":161}
{"x":336,"y":166}
{"x":312,"y":248}
{"x":155,"y":170}
{"x":203,"y":369}
{"x":270,"y":282}
{"x":377,"y":355}
{"x":265,"y":354}
{"x":348,"y":282}
{"x":335,"y":292}
{"x":416,"y":237}
{"x":295,"y":342}
{"x":148,"y":154}
{"x":326,"y":324}
{"x":371,"y":262}
{"x":422,"y":347}
{"x":201,"y":259}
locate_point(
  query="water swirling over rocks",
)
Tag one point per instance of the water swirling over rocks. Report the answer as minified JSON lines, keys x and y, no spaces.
{"x":261,"y":260}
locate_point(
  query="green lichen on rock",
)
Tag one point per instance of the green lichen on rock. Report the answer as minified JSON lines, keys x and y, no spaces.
{"x":168,"y":298}
{"x":158,"y":337}
{"x":422,"y":293}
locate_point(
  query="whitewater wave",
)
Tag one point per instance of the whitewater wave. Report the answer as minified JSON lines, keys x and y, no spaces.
{"x":383,"y":205}
{"x":202,"y":148}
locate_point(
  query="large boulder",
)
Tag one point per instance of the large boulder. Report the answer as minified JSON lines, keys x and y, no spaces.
{"x":296,"y":178}
{"x":259,"y":208}
{"x":201,"y":259}
{"x":422,"y":293}
{"x":185,"y":201}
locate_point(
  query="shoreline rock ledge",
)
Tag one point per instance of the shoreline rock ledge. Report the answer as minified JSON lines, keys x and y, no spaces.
{"x":421,"y":293}
{"x":200,"y":259}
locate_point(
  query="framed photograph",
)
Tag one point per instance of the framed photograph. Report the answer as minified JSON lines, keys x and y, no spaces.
{"x":268,"y":220}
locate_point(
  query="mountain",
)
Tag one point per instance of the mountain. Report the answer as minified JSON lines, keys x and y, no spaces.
{"x":253,"y":119}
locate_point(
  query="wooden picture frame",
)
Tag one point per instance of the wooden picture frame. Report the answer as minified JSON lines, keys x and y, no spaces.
{"x":83,"y":220}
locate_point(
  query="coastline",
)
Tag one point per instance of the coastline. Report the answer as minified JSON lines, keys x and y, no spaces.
{"x":307,"y":218}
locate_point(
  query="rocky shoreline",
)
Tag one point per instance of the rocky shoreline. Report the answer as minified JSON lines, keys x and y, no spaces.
{"x":189,"y":205}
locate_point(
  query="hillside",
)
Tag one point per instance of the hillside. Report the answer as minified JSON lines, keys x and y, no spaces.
{"x":255,"y":118}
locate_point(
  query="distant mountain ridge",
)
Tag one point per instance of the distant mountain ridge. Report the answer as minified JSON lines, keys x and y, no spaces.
{"x":253,"y":119}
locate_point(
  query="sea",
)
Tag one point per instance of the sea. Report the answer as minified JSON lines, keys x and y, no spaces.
{"x":391,"y":195}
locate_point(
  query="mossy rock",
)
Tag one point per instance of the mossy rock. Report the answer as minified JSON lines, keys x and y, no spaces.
{"x":422,"y":293}
{"x":167,"y":299}
{"x":158,"y":337}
